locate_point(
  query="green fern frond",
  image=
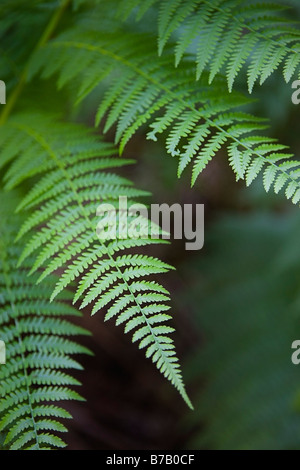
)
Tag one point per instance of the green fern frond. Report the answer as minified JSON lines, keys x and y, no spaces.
{"x":71,"y":184}
{"x":196,"y":123}
{"x":39,"y":349}
{"x":227,"y":35}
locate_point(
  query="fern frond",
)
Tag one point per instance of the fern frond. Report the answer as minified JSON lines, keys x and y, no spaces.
{"x":196,"y":123}
{"x":228,"y":35}
{"x":39,"y":348}
{"x":68,"y":164}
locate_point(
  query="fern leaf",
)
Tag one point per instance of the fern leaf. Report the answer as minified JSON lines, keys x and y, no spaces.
{"x":226,"y":35}
{"x":36,"y":353}
{"x":196,"y":123}
{"x":66,"y":238}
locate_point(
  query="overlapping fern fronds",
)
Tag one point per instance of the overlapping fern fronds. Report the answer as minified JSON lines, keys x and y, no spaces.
{"x":39,"y":348}
{"x":197,"y":119}
{"x":226,"y":35}
{"x":69,"y":164}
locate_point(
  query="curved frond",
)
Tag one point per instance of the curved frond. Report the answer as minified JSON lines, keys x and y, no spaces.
{"x":197,"y":120}
{"x":68,"y":164}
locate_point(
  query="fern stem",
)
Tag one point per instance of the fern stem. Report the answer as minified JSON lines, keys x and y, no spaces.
{"x":55,"y":19}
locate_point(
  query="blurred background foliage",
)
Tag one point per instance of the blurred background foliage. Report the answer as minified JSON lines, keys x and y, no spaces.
{"x":236,"y":302}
